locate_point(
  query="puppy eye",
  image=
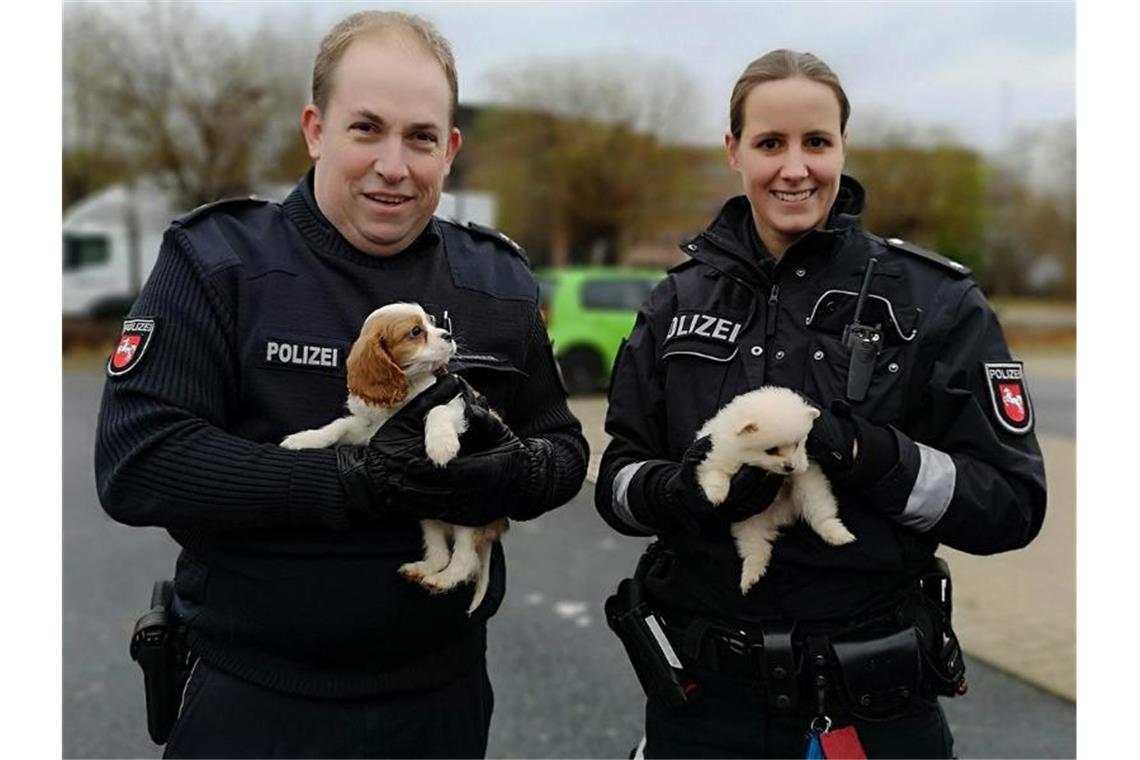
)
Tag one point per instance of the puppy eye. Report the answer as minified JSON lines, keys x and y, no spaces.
{"x":772,"y":451}
{"x":417,"y":332}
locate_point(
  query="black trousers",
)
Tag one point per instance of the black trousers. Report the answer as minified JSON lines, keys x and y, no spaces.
{"x":225,"y":716}
{"x":732,"y":720}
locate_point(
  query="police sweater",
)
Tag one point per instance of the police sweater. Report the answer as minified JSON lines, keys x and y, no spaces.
{"x":240,"y":337}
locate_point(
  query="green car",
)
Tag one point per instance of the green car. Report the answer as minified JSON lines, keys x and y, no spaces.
{"x":588,"y":311}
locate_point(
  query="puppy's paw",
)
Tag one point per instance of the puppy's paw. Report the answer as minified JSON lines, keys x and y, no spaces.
{"x":442,"y":444}
{"x":753,"y":570}
{"x":414,"y":571}
{"x":306,"y":439}
{"x":441,"y":583}
{"x":835,"y":532}
{"x":715,"y":484}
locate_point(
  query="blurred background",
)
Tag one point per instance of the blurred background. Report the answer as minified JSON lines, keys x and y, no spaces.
{"x":592,"y":137}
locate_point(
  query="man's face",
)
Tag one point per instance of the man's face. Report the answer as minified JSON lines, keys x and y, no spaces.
{"x":383,"y":144}
{"x":790,"y":158}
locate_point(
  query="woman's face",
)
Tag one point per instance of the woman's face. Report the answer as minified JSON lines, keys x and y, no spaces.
{"x":790,"y":157}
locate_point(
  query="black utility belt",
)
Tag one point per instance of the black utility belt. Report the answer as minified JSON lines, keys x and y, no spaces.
{"x":873,"y":678}
{"x":878,"y":667}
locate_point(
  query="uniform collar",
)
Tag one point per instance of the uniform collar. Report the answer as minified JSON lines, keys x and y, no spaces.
{"x":737,"y":250}
{"x":301,"y":207}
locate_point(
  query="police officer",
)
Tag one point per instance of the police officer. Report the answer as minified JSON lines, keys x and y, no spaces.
{"x":926,"y":434}
{"x":308,"y":643}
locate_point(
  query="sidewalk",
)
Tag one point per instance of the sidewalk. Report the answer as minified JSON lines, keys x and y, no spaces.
{"x":1015,"y":611}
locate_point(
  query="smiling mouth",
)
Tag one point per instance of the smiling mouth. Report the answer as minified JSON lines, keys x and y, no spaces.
{"x":802,"y":195}
{"x":387,"y":200}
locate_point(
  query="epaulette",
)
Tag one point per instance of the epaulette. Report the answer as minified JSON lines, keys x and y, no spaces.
{"x":490,"y":232}
{"x":249,"y":200}
{"x":897,"y":244}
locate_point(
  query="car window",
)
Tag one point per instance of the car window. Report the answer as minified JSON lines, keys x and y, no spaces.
{"x":626,"y":293}
{"x":85,"y":250}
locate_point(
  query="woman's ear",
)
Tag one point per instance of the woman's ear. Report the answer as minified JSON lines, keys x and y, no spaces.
{"x":372,"y":373}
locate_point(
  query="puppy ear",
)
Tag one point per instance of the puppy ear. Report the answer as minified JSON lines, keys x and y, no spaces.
{"x":813,"y":413}
{"x":373,"y":375}
{"x":746,"y":428}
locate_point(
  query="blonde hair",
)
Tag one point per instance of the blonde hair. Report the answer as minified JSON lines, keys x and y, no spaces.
{"x":372,"y":22}
{"x":783,"y":64}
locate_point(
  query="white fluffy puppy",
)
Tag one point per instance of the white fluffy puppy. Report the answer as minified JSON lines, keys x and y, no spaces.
{"x":768,"y":428}
{"x":398,"y":355}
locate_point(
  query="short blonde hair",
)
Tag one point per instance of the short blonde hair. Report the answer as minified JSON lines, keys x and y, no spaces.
{"x":783,"y":64}
{"x":372,"y":22}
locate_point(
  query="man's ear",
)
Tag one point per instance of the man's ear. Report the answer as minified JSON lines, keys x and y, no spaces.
{"x":454,"y":143}
{"x":312,"y":127}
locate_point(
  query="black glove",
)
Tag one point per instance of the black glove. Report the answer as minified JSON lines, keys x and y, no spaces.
{"x":493,"y":472}
{"x":852,"y":452}
{"x":373,"y":476}
{"x":670,"y":494}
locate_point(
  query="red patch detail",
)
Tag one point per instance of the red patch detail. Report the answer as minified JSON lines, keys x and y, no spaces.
{"x":126,"y":350}
{"x":1012,"y":401}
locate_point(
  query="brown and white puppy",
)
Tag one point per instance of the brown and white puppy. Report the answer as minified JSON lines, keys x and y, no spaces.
{"x":399,"y":354}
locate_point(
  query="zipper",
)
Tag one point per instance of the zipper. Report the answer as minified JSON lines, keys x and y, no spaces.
{"x":773,"y":302}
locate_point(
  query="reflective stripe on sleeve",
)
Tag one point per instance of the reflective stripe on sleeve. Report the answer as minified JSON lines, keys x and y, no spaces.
{"x":933,"y":489}
{"x":621,"y":497}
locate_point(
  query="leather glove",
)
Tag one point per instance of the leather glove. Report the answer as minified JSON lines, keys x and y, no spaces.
{"x":373,"y":475}
{"x":674,"y":498}
{"x":493,"y":472}
{"x":852,"y":452}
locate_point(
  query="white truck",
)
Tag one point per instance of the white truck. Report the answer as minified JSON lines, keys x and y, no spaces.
{"x":111,"y":240}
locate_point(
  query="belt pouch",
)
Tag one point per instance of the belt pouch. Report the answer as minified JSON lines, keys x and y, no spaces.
{"x":880,"y":677}
{"x":779,"y":667}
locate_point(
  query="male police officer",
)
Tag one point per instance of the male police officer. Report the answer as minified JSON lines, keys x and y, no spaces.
{"x":307,"y":641}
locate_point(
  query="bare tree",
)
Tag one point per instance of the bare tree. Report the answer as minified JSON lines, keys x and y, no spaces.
{"x":172,"y":93}
{"x":580,"y":154}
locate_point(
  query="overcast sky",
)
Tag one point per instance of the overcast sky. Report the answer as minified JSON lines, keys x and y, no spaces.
{"x":983,"y":70}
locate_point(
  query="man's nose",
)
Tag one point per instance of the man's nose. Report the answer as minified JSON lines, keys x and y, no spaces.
{"x":390,"y":161}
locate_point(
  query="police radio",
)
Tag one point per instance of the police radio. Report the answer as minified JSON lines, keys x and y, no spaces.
{"x":865,"y":342}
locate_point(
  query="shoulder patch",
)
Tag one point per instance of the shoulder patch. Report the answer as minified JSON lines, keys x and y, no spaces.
{"x":1009,"y":396}
{"x":137,"y":335}
{"x":898,"y":244}
{"x":251,"y":200}
{"x":490,"y":232}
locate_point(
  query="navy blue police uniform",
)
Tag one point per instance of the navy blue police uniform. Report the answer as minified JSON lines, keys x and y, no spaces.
{"x":308,"y":642}
{"x":949,"y":414}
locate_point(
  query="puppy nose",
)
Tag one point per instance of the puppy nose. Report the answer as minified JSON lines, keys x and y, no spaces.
{"x":445,"y":335}
{"x":789,"y":467}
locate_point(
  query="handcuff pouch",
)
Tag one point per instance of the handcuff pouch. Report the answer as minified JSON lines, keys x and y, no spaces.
{"x":880,"y":677}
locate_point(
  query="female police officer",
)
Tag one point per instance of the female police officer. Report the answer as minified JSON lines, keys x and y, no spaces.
{"x":926,"y":434}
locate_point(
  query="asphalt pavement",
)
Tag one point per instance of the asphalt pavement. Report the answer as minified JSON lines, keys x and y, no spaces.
{"x":563,"y":686}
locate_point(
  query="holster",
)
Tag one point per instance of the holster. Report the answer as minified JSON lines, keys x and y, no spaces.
{"x":658,"y":668}
{"x":158,"y":645}
{"x":945,"y":671}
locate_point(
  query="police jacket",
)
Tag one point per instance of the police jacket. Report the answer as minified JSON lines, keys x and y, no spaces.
{"x":969,"y":472}
{"x":238,"y":339}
